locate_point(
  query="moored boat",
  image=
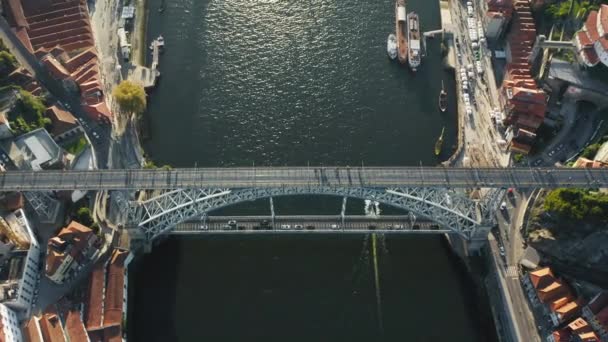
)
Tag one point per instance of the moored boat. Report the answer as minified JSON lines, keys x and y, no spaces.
{"x":391,"y":46}
{"x":439,"y":142}
{"x":443,"y":99}
{"x":401,"y":23}
{"x":413,"y":40}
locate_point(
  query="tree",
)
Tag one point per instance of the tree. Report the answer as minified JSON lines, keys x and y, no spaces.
{"x":131,"y":97}
{"x":83,"y":215}
{"x":8,"y":63}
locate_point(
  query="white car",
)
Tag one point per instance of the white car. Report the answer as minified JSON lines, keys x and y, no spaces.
{"x":285,"y":227}
{"x":335,"y":226}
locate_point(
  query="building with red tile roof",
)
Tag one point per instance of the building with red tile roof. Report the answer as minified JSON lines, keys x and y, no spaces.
{"x":596,"y":313}
{"x":94,"y":305}
{"x":579,"y":325}
{"x":523,"y":101}
{"x":32,"y":331}
{"x":106,"y":307}
{"x":58,"y":32}
{"x":588,"y":337}
{"x":584,"y":162}
{"x":541,"y":277}
{"x":497,"y":17}
{"x":72,"y":247}
{"x":566,"y":312}
{"x":561,"y":335}
{"x":75,"y":328}
{"x":63,"y":123}
{"x":591,"y":41}
{"x":115,"y":294}
{"x":51,"y":328}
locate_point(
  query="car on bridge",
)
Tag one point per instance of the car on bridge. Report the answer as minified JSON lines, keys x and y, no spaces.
{"x":285,"y":227}
{"x":298,"y":227}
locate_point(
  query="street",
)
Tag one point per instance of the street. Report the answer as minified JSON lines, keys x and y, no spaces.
{"x":510,"y":222}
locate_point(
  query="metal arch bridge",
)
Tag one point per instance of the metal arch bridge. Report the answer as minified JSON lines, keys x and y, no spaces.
{"x":428,"y":192}
{"x":451,"y":209}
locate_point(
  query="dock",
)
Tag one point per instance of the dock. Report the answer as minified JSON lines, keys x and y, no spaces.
{"x":147,"y":76}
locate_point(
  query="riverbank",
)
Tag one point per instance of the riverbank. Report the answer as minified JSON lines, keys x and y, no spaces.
{"x":139,"y":33}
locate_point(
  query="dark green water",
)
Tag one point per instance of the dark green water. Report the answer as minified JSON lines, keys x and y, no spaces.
{"x":277,"y":82}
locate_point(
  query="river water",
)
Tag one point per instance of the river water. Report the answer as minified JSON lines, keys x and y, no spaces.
{"x":282,"y":82}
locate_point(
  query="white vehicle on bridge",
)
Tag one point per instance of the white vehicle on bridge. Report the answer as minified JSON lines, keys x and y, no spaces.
{"x":285,"y":227}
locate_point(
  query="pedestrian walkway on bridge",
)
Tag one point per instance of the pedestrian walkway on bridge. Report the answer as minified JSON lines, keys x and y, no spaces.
{"x":310,"y":177}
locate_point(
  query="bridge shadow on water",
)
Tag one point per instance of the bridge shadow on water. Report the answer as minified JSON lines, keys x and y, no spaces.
{"x":301,"y":288}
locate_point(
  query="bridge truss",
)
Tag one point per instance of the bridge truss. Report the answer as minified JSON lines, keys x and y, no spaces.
{"x":450,"y":209}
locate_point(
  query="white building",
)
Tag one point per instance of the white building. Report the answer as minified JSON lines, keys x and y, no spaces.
{"x":37,"y":150}
{"x":10,"y":331}
{"x":125,"y":47}
{"x":19,"y":270}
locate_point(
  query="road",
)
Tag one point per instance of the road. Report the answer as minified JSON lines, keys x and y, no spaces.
{"x":510,"y":222}
{"x":308,"y":224}
{"x":245,"y":177}
{"x":480,"y":134}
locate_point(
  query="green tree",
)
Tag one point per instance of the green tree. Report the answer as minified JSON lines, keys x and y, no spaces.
{"x":590,"y":151}
{"x":83,"y":215}
{"x":131,"y":97}
{"x":8,"y":63}
{"x":578,"y":204}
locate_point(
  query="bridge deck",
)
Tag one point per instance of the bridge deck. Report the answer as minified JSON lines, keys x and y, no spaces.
{"x":272,"y":177}
{"x":308,"y":224}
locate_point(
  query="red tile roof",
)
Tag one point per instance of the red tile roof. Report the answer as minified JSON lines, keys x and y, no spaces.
{"x":591,"y":27}
{"x":115,"y":288}
{"x":51,"y":328}
{"x":583,"y":38}
{"x":31,"y":331}
{"x":75,"y":328}
{"x":562,"y":335}
{"x":604,"y":18}
{"x":569,"y":310}
{"x":579,"y":325}
{"x":54,"y":67}
{"x":589,"y":337}
{"x":61,"y":120}
{"x":94,"y":307}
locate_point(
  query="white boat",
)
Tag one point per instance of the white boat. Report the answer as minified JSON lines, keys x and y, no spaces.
{"x":160,"y":42}
{"x":391,"y":46}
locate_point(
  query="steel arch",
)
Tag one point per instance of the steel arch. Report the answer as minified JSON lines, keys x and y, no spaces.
{"x":448,"y":208}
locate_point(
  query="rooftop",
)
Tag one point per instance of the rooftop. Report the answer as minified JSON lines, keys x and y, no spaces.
{"x":565,"y":71}
{"x":75,"y":328}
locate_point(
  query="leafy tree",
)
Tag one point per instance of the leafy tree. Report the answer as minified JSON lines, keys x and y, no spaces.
{"x":131,"y":97}
{"x":590,"y":151}
{"x":8,"y":63}
{"x":518,"y":157}
{"x":83,"y":215}
{"x":578,"y":204}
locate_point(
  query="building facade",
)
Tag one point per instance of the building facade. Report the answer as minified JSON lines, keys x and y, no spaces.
{"x":21,"y":263}
{"x":10,"y":331}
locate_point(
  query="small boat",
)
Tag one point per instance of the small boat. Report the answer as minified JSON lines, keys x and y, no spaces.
{"x":439,"y":142}
{"x":391,"y":46}
{"x":443,"y":99}
{"x":160,"y":42}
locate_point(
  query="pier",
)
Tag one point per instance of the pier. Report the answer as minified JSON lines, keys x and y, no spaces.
{"x":147,"y":76}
